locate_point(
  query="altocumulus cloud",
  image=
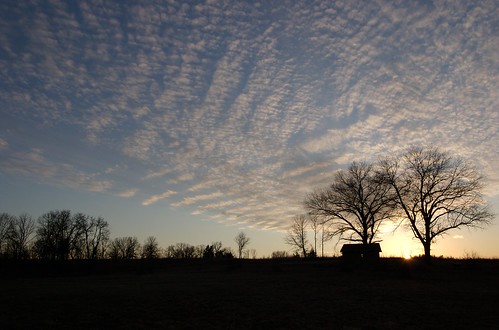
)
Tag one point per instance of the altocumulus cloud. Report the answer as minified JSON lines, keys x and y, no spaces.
{"x":3,"y":144}
{"x":236,"y":110}
{"x":155,"y":198}
{"x":128,"y":193}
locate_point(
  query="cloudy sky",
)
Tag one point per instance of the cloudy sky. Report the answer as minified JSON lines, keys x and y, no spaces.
{"x":192,"y":120}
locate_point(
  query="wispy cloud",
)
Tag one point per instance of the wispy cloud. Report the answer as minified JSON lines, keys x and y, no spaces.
{"x":198,"y":198}
{"x":156,"y":198}
{"x":3,"y":144}
{"x":128,"y":193}
{"x":33,"y":163}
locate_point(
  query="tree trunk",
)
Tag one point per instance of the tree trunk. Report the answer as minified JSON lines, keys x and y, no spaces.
{"x":315,"y":240}
{"x":427,"y":252}
{"x":322,"y":245}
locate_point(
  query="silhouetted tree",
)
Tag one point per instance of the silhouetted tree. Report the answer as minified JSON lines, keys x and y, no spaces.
{"x":216,"y":251}
{"x":124,"y":248}
{"x":280,"y":254}
{"x":315,"y":223}
{"x":297,"y":234}
{"x":242,"y":240}
{"x":224,"y":253}
{"x":199,"y":251}
{"x":326,"y":235}
{"x":252,"y":253}
{"x":437,"y":193}
{"x":19,"y":235}
{"x":5,"y":220}
{"x":180,"y":251}
{"x":151,"y":249}
{"x":217,"y":248}
{"x":187,"y":251}
{"x":208,"y":252}
{"x":356,"y":203}
{"x":58,"y":234}
{"x":94,"y":235}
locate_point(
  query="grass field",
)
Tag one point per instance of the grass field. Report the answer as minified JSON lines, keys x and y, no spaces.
{"x":251,"y":294}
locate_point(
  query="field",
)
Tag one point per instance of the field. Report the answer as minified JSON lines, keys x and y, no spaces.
{"x":250,"y":294}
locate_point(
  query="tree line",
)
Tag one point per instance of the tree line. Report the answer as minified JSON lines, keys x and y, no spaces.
{"x":425,"y":190}
{"x":61,"y":235}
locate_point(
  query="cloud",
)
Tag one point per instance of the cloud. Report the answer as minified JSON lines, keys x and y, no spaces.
{"x":198,"y":198}
{"x":158,"y":173}
{"x":238,"y":111}
{"x":458,"y":237}
{"x":128,"y":193}
{"x":156,"y":198}
{"x":3,"y":144}
{"x":33,"y":163}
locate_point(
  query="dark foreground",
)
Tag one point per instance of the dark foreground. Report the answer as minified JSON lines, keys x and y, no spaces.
{"x":250,"y":294}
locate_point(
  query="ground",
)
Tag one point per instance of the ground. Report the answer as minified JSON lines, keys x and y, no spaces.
{"x":251,"y":294}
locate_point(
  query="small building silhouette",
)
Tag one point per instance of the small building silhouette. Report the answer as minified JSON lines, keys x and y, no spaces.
{"x":361,"y":252}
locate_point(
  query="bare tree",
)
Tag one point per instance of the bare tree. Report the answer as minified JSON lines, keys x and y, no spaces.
{"x":96,"y":235}
{"x":356,"y":203}
{"x":124,"y":248}
{"x":252,"y":254}
{"x":5,"y":221}
{"x":217,"y":251}
{"x":150,"y":249}
{"x":217,"y":247}
{"x":315,"y":223}
{"x":199,"y":250}
{"x":180,"y":251}
{"x":437,"y":193}
{"x":297,"y":235}
{"x":62,"y":236}
{"x":279,"y":254}
{"x":58,"y":235}
{"x":242,"y":241}
{"x":326,"y":235}
{"x":19,"y":235}
{"x":185,"y":251}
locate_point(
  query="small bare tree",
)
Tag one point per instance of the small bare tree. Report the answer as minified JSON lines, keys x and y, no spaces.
{"x":437,"y":193}
{"x":180,"y":251}
{"x":124,"y":248}
{"x":326,"y":235}
{"x":315,"y":224}
{"x":297,"y":234}
{"x":19,"y":235}
{"x":279,"y":254}
{"x":5,"y":221}
{"x":95,"y":235}
{"x":150,"y":249}
{"x":241,"y":241}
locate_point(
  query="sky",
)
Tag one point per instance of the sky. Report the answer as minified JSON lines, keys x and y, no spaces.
{"x":193,"y":120}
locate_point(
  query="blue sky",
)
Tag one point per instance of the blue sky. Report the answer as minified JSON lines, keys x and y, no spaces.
{"x":192,"y":120}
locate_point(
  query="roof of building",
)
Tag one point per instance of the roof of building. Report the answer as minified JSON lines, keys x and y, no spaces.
{"x":360,"y":248}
